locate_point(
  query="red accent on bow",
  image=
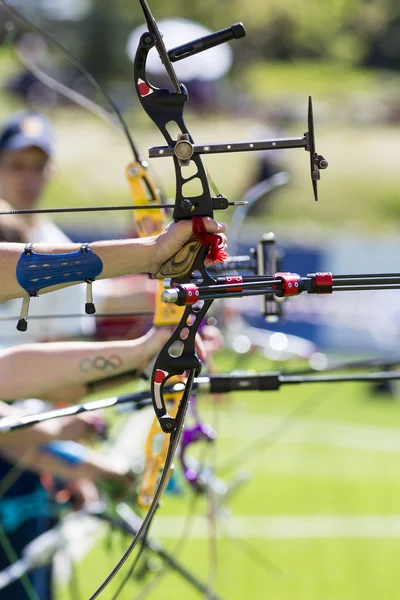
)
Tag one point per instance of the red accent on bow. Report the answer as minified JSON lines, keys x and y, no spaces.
{"x":217,"y":252}
{"x":238,"y":279}
{"x":323,"y":283}
{"x":144,"y":89}
{"x":159,"y":376}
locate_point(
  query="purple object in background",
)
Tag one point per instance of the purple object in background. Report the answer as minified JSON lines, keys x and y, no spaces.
{"x":199,"y":432}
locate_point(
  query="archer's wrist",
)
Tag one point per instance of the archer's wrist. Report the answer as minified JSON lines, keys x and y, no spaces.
{"x":151,"y":248}
{"x":143,"y":257}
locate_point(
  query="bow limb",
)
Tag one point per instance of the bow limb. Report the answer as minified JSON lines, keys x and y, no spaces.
{"x":149,"y":223}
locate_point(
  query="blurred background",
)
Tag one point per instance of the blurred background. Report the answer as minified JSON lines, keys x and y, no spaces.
{"x":322,"y":505}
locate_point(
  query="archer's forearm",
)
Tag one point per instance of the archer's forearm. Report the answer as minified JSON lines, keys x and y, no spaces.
{"x":93,"y":465}
{"x":119,"y":257}
{"x":29,"y":437}
{"x":35,"y":370}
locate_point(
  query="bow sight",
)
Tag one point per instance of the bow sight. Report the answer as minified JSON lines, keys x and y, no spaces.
{"x":184,"y":149}
{"x":166,"y":109}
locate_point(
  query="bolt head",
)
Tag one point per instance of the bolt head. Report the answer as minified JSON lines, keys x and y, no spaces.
{"x":184,"y":150}
{"x":147,"y":39}
{"x":133,"y":171}
{"x":186,"y":205}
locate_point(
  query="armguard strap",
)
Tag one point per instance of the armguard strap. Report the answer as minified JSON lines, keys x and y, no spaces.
{"x":36,"y":272}
{"x":68,"y":452}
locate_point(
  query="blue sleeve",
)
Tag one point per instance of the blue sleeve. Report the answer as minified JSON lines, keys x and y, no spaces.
{"x":70,"y":453}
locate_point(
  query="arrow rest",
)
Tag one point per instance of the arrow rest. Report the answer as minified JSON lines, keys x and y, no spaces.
{"x":268,"y":263}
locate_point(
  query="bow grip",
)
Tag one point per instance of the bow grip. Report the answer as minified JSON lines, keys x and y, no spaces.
{"x":182,"y":263}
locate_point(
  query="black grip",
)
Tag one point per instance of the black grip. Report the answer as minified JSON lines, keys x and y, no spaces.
{"x":232,"y":382}
{"x":234,"y":32}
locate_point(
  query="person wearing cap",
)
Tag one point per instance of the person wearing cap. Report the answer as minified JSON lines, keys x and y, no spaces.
{"x":26,"y":151}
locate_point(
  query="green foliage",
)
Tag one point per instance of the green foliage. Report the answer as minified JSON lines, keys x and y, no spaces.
{"x":334,"y":29}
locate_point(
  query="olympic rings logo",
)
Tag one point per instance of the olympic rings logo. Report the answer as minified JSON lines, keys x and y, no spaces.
{"x":101,"y":363}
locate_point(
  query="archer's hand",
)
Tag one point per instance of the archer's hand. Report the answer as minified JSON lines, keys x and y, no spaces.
{"x":175,"y":236}
{"x":119,"y":485}
{"x":83,"y":492}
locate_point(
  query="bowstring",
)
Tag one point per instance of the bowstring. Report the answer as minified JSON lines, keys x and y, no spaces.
{"x":146,"y":523}
{"x":173,"y":445}
{"x":133,"y":566}
{"x":176,"y":550}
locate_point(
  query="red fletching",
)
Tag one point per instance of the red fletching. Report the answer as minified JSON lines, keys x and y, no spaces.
{"x":217,"y":252}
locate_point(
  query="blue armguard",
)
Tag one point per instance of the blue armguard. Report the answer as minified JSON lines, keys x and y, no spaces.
{"x":70,"y":453}
{"x":38,"y":271}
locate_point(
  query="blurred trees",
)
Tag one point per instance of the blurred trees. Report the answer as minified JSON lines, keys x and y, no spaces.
{"x":359,"y":32}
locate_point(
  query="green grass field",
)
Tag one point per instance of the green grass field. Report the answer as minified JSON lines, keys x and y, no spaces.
{"x":321,"y":505}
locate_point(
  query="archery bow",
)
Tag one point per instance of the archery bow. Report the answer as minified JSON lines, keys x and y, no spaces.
{"x":144,"y":194}
{"x":191,"y":258}
{"x":165,"y":108}
{"x":152,"y":223}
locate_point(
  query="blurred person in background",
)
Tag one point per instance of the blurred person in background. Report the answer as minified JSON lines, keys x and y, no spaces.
{"x":26,"y":151}
{"x":31,"y":474}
